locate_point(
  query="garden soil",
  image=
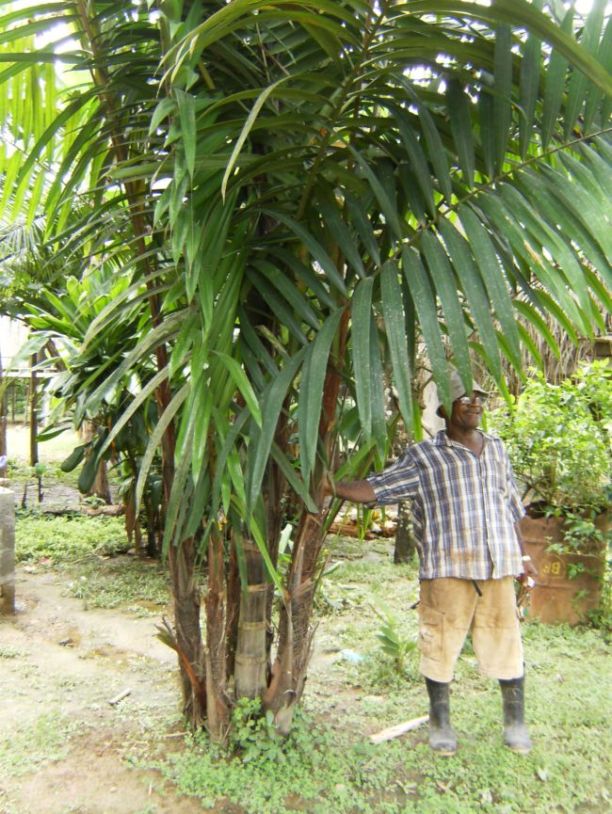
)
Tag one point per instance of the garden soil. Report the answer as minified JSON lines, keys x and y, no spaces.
{"x":87,"y":696}
{"x":91,"y":684}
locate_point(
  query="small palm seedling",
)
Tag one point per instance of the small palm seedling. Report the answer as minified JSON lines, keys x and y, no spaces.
{"x":400,"y":648}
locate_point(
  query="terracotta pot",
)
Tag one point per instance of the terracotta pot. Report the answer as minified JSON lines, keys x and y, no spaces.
{"x":557,"y":596}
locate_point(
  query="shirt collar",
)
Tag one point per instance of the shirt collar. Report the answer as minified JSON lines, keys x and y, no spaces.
{"x":441,"y":439}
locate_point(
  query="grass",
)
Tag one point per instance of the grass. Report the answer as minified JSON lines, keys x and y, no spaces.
{"x":46,"y":741}
{"x":89,"y":550}
{"x":328,"y":763}
{"x":335,"y":768}
{"x":136,"y":587}
{"x":67,"y":538}
{"x":332,"y":765}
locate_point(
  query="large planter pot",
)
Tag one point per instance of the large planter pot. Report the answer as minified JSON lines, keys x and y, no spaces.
{"x":568,"y":586}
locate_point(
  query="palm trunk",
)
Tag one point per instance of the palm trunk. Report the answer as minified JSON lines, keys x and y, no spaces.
{"x":132,"y":523}
{"x":295,"y":629}
{"x":251,"y":651}
{"x":232,"y":609}
{"x":217,"y":710}
{"x":186,"y":596}
{"x":100,"y":487}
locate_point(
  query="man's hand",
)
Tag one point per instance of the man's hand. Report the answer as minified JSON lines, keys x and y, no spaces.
{"x":530,"y":572}
{"x":357,"y":491}
{"x":328,"y":488}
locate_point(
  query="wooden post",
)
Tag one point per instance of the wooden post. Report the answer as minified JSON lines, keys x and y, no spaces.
{"x":33,"y":411}
{"x":3,"y":421}
{"x":7,"y":551}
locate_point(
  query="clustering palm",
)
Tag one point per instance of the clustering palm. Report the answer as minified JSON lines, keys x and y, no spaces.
{"x":59,"y":324}
{"x":308,"y":191}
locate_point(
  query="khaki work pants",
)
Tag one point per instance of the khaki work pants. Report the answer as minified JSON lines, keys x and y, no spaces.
{"x":449,"y":609}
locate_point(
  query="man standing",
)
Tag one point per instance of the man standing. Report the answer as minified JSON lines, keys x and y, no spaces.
{"x":466,"y":508}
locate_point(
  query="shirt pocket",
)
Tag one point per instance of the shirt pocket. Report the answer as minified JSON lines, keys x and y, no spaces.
{"x":495,"y":474}
{"x":431,"y":633}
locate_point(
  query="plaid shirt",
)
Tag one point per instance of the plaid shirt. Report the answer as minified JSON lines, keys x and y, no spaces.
{"x":464,"y":507}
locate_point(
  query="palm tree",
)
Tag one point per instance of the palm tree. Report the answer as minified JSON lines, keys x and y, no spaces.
{"x":307,"y":191}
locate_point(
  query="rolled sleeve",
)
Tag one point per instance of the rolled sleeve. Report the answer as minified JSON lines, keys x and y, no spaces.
{"x":398,"y":482}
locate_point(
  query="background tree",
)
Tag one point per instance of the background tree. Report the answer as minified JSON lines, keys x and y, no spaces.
{"x":306,"y":191}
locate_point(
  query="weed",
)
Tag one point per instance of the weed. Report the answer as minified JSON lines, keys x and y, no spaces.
{"x":139,"y":587}
{"x":394,"y":644}
{"x":43,"y":742}
{"x":253,"y":735}
{"x":9,"y":653}
{"x":65,"y":539}
{"x":314,"y":767}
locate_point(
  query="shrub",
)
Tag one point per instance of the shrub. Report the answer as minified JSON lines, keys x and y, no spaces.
{"x":558,"y":439}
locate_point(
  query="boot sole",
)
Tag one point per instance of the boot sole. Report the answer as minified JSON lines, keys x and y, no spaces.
{"x":519,"y":750}
{"x":444,"y":751}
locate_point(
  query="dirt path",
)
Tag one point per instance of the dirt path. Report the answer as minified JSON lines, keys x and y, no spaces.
{"x":60,"y":666}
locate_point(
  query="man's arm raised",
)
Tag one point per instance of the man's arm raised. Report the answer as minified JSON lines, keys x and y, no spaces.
{"x":357,"y":491}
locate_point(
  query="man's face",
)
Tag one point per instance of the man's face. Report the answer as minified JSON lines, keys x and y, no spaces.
{"x":467,"y":411}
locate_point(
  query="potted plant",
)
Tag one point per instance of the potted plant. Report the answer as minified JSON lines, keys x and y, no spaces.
{"x":558,"y":439}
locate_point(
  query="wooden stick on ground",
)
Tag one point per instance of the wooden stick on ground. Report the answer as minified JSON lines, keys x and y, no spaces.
{"x":399,"y":729}
{"x":120,"y":697}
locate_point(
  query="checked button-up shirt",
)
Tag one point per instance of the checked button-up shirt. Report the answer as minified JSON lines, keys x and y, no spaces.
{"x":464,"y":507}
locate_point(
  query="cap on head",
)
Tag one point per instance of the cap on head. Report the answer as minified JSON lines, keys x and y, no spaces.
{"x":457,"y":389}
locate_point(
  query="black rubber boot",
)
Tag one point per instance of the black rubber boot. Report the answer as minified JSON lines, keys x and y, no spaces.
{"x":442,"y":738}
{"x":516,"y":736}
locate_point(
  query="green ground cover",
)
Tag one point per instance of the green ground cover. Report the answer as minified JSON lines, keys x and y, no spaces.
{"x":328,"y":764}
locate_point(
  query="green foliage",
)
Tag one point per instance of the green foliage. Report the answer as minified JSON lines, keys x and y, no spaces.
{"x":332,"y":766}
{"x":93,"y":387}
{"x":327,"y":162}
{"x":399,"y":647}
{"x":581,"y":535}
{"x":253,"y":735}
{"x":44,"y":741}
{"x":137,"y":586}
{"x":558,"y":438}
{"x":65,"y":539}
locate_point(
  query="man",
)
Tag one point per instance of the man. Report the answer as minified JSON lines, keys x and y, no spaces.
{"x":466,"y":508}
